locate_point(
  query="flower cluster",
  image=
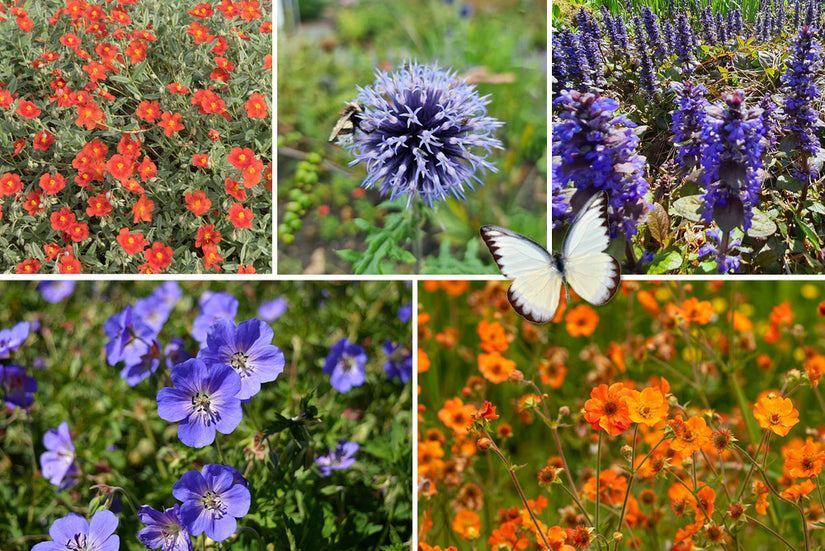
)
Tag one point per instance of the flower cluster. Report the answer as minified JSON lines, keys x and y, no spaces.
{"x":688,"y":121}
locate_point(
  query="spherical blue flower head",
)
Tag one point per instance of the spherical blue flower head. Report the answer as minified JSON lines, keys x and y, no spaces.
{"x":345,"y":365}
{"x":12,"y":339}
{"x":399,"y":362}
{"x":595,"y":149}
{"x":801,"y":118}
{"x":163,"y":530}
{"x":731,"y":158}
{"x":18,"y":388}
{"x":688,"y":119}
{"x":338,"y":459}
{"x":57,"y":462}
{"x":273,"y":309}
{"x":56,"y":291}
{"x":725,"y":262}
{"x":74,"y":532}
{"x":155,"y":309}
{"x":685,"y":44}
{"x":425,"y":133}
{"x":247,"y":349}
{"x":203,"y":401}
{"x":174,"y":353}
{"x":211,"y":501}
{"x":214,"y":306}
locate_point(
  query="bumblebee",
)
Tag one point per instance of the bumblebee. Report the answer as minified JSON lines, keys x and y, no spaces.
{"x":346,"y":125}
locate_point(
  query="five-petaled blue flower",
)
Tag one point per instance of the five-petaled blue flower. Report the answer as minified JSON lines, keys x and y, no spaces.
{"x":57,"y":463}
{"x":214,"y":306}
{"x":203,"y":400}
{"x":55,"y":291}
{"x":338,"y":459}
{"x":11,"y":339}
{"x":18,"y":388}
{"x":212,"y":500}
{"x":345,"y":365}
{"x":74,"y":532}
{"x":163,"y":530}
{"x":399,"y":362}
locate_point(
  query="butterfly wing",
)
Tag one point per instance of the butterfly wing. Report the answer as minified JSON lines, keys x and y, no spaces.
{"x":590,"y":271}
{"x":536,"y":286}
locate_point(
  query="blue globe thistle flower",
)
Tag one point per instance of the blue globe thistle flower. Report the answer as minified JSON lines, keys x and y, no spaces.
{"x":425,"y":133}
{"x":345,"y":365}
{"x":56,"y":291}
{"x":273,"y":309}
{"x":247,"y":349}
{"x":12,"y":339}
{"x":731,"y":158}
{"x":214,"y":306}
{"x":18,"y":388}
{"x":714,"y":246}
{"x":57,"y":463}
{"x":203,"y":401}
{"x":338,"y":459}
{"x":155,"y":309}
{"x":595,"y":149}
{"x":211,"y":501}
{"x":74,"y":532}
{"x":804,"y":62}
{"x":399,"y":362}
{"x":688,"y":119}
{"x":163,"y":530}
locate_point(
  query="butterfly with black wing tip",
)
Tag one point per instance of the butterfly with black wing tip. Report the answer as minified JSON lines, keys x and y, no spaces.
{"x":538,"y":275}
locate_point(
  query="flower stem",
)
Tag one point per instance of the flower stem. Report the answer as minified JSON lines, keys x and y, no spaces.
{"x":598,"y":481}
{"x":629,"y":485}
{"x":771,"y":530}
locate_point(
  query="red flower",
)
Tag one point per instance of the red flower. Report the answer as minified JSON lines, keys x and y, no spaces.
{"x":62,"y":220}
{"x":120,"y":167}
{"x":27,"y":109}
{"x":10,"y":184}
{"x":233,"y":188}
{"x":89,"y":114}
{"x":131,"y":242}
{"x":241,"y":158}
{"x":256,"y":107}
{"x":214,"y":135}
{"x":143,"y":209}
{"x":32,"y":204}
{"x":97,"y":71}
{"x":132,"y":185}
{"x":208,"y":102}
{"x":241,"y":217}
{"x":253,"y":173}
{"x":197,"y":202}
{"x":268,"y":61}
{"x":200,"y":159}
{"x":136,"y":50}
{"x":43,"y":140}
{"x":71,"y":40}
{"x":78,"y":231}
{"x":69,"y":264}
{"x":224,"y":64}
{"x":200,"y":33}
{"x":250,"y":10}
{"x":99,"y":205}
{"x":202,"y":10}
{"x":170,"y":123}
{"x":129,"y":148}
{"x":147,"y":169}
{"x":211,"y":257}
{"x":52,"y":183}
{"x":6,"y":99}
{"x":148,"y":111}
{"x":250,"y":269}
{"x":207,"y":236}
{"x":28,"y":266}
{"x":176,"y":88}
{"x":159,"y":256}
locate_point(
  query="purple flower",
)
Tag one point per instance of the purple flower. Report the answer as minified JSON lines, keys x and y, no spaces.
{"x":570,"y":67}
{"x":272,"y":310}
{"x":144,"y":360}
{"x":17,"y":386}
{"x":247,"y":349}
{"x":425,"y":133}
{"x":214,"y":306}
{"x":405,"y":313}
{"x":74,"y":532}
{"x":174,"y":353}
{"x":127,"y":335}
{"x":212,"y":501}
{"x":163,"y":530}
{"x":203,"y":400}
{"x":11,"y":339}
{"x":345,"y":365}
{"x":654,"y":36}
{"x":716,"y":246}
{"x":338,"y":459}
{"x":57,"y":463}
{"x":647,"y":74}
{"x":155,"y":309}
{"x":589,"y":38}
{"x":55,"y":291}
{"x":687,"y":122}
{"x":685,"y":44}
{"x":399,"y":362}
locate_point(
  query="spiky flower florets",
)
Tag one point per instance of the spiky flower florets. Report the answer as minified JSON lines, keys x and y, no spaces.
{"x":424,"y":132}
{"x":798,"y":82}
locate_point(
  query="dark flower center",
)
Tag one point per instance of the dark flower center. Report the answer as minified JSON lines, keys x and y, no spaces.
{"x":610,"y":408}
{"x":212,"y":502}
{"x":78,"y":543}
{"x":775,"y":418}
{"x":807,"y":464}
{"x":239,"y":363}
{"x":202,"y":402}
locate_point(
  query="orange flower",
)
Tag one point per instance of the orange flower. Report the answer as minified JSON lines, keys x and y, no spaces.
{"x":581,"y":321}
{"x":804,"y":462}
{"x":455,"y":288}
{"x":761,"y":492}
{"x":240,"y":217}
{"x":648,"y":406}
{"x":131,"y":243}
{"x":815,"y":367}
{"x":143,"y":209}
{"x":741,"y":323}
{"x":781,"y":315}
{"x":694,"y":310}
{"x":430,"y":461}
{"x":170,"y":123}
{"x":256,"y":106}
{"x":487,"y":411}
{"x":798,"y":491}
{"x":423,"y":361}
{"x":612,"y":487}
{"x":607,"y":409}
{"x":691,"y":436}
{"x":456,"y":415}
{"x":776,"y":414}
{"x":495,"y":367}
{"x":493,"y":336}
{"x":467,"y":524}
{"x":552,"y":373}
{"x":197,"y":202}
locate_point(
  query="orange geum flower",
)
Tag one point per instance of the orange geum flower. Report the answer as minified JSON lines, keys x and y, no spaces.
{"x":423,"y":361}
{"x":612,"y":487}
{"x":697,"y":311}
{"x":607,"y":409}
{"x":740,"y":322}
{"x":456,"y":415}
{"x":495,"y":367}
{"x":761,"y":492}
{"x":581,"y":321}
{"x":552,"y":373}
{"x":776,"y":414}
{"x":467,"y":524}
{"x":781,"y":315}
{"x":143,"y":209}
{"x":691,"y":435}
{"x":798,"y":491}
{"x":648,"y":406}
{"x":430,"y":454}
{"x":493,"y":337}
{"x":815,"y":367}
{"x":804,"y":462}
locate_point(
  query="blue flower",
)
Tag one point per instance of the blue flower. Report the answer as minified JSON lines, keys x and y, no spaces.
{"x":74,"y":532}
{"x":214,"y":306}
{"x":18,"y":387}
{"x":55,"y":291}
{"x":57,"y":463}
{"x":345,"y":365}
{"x":425,"y":133}
{"x":203,"y":401}
{"x":725,"y":262}
{"x":163,"y":530}
{"x":174,"y":353}
{"x":405,"y":312}
{"x":338,"y":459}
{"x":273,"y":309}
{"x":12,"y":339}
{"x":155,"y":309}
{"x":127,"y":336}
{"x":144,"y":360}
{"x":688,"y":119}
{"x":212,"y":500}
{"x":247,"y":349}
{"x":399,"y":362}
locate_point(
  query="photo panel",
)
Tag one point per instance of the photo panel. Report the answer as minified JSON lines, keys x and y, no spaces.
{"x":136,"y":137}
{"x":682,"y":414}
{"x":206,"y":415}
{"x":403,"y":127}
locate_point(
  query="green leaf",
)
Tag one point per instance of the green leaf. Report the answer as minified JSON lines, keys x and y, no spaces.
{"x":665,"y":261}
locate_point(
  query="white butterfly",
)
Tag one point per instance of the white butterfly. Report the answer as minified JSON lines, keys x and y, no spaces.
{"x":538,"y":275}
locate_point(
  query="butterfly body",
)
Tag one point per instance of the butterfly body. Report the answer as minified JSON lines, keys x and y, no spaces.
{"x":538,"y":275}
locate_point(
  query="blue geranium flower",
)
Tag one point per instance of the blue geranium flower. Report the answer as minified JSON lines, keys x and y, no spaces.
{"x":55,"y":291}
{"x":75,"y":532}
{"x":212,"y":500}
{"x":18,"y":388}
{"x":399,"y":362}
{"x":57,"y":462}
{"x":214,"y":306}
{"x":163,"y":530}
{"x":338,"y":459}
{"x":345,"y":365}
{"x":272,"y":310}
{"x":11,"y":339}
{"x":155,"y":309}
